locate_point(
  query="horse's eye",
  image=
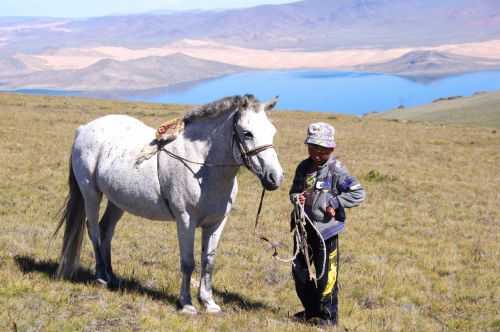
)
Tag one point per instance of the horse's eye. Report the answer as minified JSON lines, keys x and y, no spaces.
{"x":248,"y":134}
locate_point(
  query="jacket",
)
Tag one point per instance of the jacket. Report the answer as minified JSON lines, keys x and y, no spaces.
{"x":331,"y":185}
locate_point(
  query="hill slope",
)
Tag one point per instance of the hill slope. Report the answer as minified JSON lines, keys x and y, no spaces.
{"x":431,"y":64}
{"x":482,"y":109}
{"x":144,"y":73}
{"x":420,"y":254}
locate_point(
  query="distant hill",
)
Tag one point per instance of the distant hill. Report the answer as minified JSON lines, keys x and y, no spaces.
{"x":431,"y":64}
{"x":309,"y":24}
{"x":12,"y":66}
{"x":144,"y":73}
{"x":482,"y":109}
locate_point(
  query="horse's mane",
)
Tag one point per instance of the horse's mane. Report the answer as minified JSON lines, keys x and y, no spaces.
{"x":221,"y":106}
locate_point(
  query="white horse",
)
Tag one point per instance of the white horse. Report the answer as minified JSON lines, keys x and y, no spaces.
{"x":191,"y":180}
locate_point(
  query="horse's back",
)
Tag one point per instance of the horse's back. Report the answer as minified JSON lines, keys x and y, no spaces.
{"x":118,"y":131}
{"x":112,"y":127}
{"x":105,"y":156}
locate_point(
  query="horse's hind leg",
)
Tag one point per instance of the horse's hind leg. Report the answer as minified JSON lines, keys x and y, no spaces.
{"x":92,"y":201}
{"x":210,"y":241}
{"x":107,"y":229}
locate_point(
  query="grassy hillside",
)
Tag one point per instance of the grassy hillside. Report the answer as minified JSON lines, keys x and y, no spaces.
{"x":421,"y":254}
{"x":481,"y":110}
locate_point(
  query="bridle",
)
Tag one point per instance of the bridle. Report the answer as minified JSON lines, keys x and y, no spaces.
{"x":245,"y":153}
{"x":245,"y":157}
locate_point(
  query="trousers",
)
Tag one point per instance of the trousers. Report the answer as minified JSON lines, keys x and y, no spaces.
{"x":319,"y":300}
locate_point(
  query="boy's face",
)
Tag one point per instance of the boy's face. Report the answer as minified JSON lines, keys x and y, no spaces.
{"x":319,"y":154}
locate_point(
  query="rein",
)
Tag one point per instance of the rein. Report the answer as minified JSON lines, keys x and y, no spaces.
{"x":180,"y":158}
{"x":260,"y":208}
{"x":274,"y":245}
{"x":245,"y":156}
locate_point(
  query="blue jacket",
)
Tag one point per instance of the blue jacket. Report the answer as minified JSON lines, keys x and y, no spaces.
{"x":333,"y":186}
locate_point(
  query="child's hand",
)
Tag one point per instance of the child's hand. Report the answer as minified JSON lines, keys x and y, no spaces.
{"x":330,"y":212}
{"x":302,"y":198}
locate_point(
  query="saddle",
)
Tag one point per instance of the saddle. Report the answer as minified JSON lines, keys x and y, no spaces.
{"x":166,"y":133}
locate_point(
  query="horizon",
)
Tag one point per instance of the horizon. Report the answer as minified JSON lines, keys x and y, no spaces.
{"x":97,"y":8}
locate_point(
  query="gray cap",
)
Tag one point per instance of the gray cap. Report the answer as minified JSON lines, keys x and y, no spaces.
{"x":321,"y":134}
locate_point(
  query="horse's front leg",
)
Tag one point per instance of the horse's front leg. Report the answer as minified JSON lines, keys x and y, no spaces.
{"x":185,"y":234}
{"x":210,"y":240}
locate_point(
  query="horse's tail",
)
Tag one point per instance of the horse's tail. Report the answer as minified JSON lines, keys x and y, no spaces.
{"x":73,"y":217}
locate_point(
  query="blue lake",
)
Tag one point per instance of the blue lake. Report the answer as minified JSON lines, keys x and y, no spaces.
{"x":327,"y":91}
{"x":314,"y":90}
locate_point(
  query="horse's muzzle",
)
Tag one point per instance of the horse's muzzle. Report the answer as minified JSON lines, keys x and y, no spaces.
{"x":272,"y":180}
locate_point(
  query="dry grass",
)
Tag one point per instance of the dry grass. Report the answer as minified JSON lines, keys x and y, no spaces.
{"x":421,"y":254}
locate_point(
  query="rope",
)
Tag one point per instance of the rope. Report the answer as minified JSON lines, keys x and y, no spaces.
{"x":274,"y":245}
{"x":323,"y":245}
{"x":303,"y":219}
{"x":260,"y":208}
{"x":296,"y":235}
{"x":175,"y":156}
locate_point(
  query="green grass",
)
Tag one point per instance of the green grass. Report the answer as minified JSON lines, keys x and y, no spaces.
{"x":421,"y":254}
{"x":480,"y":110}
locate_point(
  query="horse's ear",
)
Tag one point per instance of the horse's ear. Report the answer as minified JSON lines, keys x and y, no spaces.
{"x":244,"y":102}
{"x":270,"y":104}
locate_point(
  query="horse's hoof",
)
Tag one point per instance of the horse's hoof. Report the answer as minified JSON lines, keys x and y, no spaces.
{"x":213,"y":309}
{"x":108,"y":281}
{"x":189,"y":310}
{"x":102,"y":281}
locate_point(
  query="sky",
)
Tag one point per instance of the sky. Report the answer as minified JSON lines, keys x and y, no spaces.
{"x":89,"y":8}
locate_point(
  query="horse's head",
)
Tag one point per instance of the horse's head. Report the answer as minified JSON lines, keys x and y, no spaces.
{"x":254,"y":135}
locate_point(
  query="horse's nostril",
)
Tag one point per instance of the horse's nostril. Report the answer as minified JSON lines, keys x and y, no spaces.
{"x":275,"y":178}
{"x":272,"y":178}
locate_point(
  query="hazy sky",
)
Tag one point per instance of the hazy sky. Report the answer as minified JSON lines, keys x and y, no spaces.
{"x":85,"y":8}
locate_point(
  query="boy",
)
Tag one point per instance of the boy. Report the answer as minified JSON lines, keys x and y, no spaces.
{"x":324,"y":187}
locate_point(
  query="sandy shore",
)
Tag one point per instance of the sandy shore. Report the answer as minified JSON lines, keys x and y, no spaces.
{"x":253,"y":58}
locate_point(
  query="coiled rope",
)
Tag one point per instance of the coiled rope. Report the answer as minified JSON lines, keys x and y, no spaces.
{"x":300,"y":237}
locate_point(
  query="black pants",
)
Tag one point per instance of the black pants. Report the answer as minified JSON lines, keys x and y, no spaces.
{"x":320,"y":301}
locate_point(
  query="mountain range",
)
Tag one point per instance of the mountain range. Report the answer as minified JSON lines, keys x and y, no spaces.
{"x":309,"y":24}
{"x":34,"y":52}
